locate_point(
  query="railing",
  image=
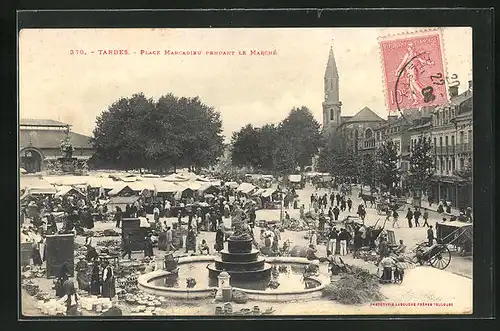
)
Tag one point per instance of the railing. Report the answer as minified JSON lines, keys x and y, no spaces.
{"x":464,"y":148}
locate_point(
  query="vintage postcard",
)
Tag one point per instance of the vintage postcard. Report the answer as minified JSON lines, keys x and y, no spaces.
{"x":249,"y":171}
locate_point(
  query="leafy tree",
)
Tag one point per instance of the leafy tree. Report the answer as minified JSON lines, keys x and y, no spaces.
{"x":367,"y":169}
{"x":246,"y":147}
{"x":303,"y":134}
{"x":327,"y":159}
{"x":387,"y":171}
{"x":267,"y":145}
{"x":118,"y":140}
{"x":137,"y":133}
{"x":285,"y":157}
{"x":421,"y":169}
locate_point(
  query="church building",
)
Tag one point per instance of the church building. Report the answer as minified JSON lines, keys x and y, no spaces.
{"x":344,"y":131}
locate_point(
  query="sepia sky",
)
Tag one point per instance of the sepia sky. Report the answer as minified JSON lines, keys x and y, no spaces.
{"x":245,"y":89}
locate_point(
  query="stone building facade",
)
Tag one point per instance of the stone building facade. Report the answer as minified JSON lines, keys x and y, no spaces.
{"x":40,"y":139}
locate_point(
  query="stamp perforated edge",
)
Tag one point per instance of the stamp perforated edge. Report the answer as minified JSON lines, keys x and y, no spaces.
{"x":406,"y":34}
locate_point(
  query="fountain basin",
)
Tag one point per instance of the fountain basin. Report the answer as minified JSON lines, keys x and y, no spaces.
{"x":289,"y":290}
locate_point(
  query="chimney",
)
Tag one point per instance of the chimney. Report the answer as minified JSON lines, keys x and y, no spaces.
{"x":470,"y":85}
{"x":453,"y":91}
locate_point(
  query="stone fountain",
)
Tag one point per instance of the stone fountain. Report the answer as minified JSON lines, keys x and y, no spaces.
{"x":240,"y":260}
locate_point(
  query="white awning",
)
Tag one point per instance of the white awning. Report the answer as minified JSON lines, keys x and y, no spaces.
{"x":245,"y":188}
{"x":295,"y":178}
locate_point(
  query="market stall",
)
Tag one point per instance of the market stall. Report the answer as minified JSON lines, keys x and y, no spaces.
{"x":457,"y":234}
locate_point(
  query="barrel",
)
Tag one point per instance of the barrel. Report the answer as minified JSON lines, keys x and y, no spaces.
{"x":298,"y":251}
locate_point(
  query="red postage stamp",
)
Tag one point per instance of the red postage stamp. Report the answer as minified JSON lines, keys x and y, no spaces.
{"x":413,"y":71}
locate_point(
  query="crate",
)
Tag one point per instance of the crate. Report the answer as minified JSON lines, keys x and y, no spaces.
{"x":132,"y":226}
{"x":60,"y":250}
{"x":26,"y":250}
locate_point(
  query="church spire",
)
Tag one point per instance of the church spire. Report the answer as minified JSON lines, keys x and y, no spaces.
{"x":331,"y":66}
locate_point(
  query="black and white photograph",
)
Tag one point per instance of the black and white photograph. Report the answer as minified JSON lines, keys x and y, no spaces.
{"x":246,"y":171}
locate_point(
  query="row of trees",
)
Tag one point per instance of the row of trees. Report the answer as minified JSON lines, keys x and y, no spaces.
{"x":381,"y":168}
{"x":173,"y":132}
{"x":278,"y":148}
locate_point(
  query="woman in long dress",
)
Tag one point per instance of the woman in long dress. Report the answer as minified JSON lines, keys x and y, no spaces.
{"x":95,"y":281}
{"x":82,"y":274}
{"x":62,"y":277}
{"x":191,"y":240}
{"x":148,"y":246}
{"x":219,"y":239}
{"x":35,"y":254}
{"x":108,"y":285}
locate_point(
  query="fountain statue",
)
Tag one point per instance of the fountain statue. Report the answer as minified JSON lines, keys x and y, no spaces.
{"x":240,"y":259}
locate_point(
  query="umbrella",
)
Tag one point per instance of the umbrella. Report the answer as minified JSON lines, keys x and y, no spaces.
{"x":23,"y":171}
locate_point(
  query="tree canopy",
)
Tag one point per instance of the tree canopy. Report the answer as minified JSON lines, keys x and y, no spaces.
{"x":387,"y":158}
{"x":283,"y":147}
{"x":173,"y":132}
{"x":421,"y":169}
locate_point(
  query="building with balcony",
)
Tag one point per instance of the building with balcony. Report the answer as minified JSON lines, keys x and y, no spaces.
{"x":452,"y":140}
{"x":40,"y":139}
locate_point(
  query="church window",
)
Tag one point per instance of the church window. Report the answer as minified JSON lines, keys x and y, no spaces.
{"x":332,"y":115}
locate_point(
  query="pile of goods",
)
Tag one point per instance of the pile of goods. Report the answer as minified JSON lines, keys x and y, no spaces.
{"x":357,"y":286}
{"x":95,"y":304}
{"x":228,"y":310}
{"x":146,"y":304}
{"x":29,"y":272}
{"x":295,"y":225}
{"x":367,"y":255}
{"x":109,"y":243}
{"x":127,"y":285}
{"x":240,"y":297}
{"x":51,"y":307}
{"x":30,"y":287}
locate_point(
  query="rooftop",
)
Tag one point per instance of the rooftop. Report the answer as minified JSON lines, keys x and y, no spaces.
{"x":51,"y":138}
{"x":366,"y":115}
{"x":41,"y":122}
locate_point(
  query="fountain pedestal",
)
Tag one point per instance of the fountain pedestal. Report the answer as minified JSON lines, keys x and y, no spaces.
{"x":240,"y":261}
{"x":67,"y":164}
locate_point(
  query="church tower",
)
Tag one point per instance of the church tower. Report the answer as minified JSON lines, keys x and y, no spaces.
{"x":331,"y":103}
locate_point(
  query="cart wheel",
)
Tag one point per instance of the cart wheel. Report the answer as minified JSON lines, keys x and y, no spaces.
{"x":442,"y":259}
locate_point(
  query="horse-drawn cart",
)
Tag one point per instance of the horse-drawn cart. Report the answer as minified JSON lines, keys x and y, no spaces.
{"x":392,"y":204}
{"x":437,"y":255}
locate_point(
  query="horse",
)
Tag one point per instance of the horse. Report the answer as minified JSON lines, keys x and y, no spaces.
{"x":366,"y":197}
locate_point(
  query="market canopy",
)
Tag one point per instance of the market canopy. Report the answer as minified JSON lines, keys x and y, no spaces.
{"x":120,"y":190}
{"x":67,"y":180}
{"x":258,"y":192}
{"x":268,"y":192}
{"x":166,"y":187}
{"x":295,"y":178}
{"x":245,"y":188}
{"x":36,"y":184}
{"x":65,"y":190}
{"x":104,"y":182}
{"x":232,"y":184}
{"x":141,"y":185}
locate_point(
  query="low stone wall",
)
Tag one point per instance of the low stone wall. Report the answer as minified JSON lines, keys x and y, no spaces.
{"x":275,"y":296}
